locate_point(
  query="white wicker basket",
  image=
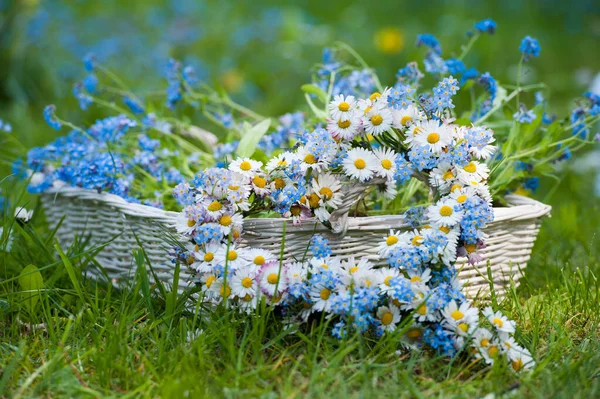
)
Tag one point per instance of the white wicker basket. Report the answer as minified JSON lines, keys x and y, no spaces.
{"x":106,"y":218}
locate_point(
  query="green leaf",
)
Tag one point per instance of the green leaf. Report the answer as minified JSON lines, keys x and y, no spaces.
{"x":251,"y":137}
{"x":317,"y":91}
{"x":31,"y":282}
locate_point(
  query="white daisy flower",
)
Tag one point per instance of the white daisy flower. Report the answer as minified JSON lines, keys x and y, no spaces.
{"x":385,"y":275}
{"x":23,"y":214}
{"x":206,"y":256}
{"x":222,"y":289}
{"x":442,"y":176}
{"x":248,"y":303}
{"x":499,"y":321}
{"x":461,"y":195}
{"x":296,"y":272}
{"x":228,"y":222}
{"x":185,"y":225}
{"x":449,"y":253}
{"x":280,"y":161}
{"x":207,"y":280}
{"x":417,"y":277}
{"x":243,"y":282}
{"x":298,"y":213}
{"x":272,"y":279}
{"x":232,"y":257}
{"x":309,"y":161}
{"x":245,"y":166}
{"x":473,"y":172}
{"x":328,"y":263}
{"x":483,"y":340}
{"x":386,"y":166}
{"x":390,"y":190}
{"x":328,"y":188}
{"x":214,"y":208}
{"x":520,"y":358}
{"x":351,"y":266}
{"x":366,"y":278}
{"x":462,"y":319}
{"x":320,"y":296}
{"x":402,"y":118}
{"x":434,"y":136}
{"x":419,"y":304}
{"x":391,"y":241}
{"x":377,"y":120}
{"x":341,"y":107}
{"x":444,"y":213}
{"x":360,"y":164}
{"x":258,"y":256}
{"x":345,"y":129}
{"x":389,"y":316}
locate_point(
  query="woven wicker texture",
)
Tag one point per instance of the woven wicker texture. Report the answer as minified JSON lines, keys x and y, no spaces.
{"x":109,"y":220}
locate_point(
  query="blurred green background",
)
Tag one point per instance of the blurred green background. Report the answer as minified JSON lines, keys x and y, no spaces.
{"x":262,"y":51}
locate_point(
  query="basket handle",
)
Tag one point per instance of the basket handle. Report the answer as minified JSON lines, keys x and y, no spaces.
{"x":352,"y":193}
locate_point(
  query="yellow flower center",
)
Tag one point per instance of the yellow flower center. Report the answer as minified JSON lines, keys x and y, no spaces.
{"x":413,"y":333}
{"x":225,"y":291}
{"x":353,"y":269}
{"x":445,"y":229}
{"x":416,"y":279}
{"x":416,"y":240}
{"x":259,"y":260}
{"x":295,"y":210}
{"x":324,"y":266}
{"x":209,"y":256}
{"x":386,"y":164}
{"x":484,"y":342}
{"x":281,"y":162}
{"x":457,"y":315}
{"x":245,"y":165}
{"x":448,"y":175}
{"x":433,"y":138}
{"x":461,"y":198}
{"x":493,"y":351}
{"x":422,"y":310}
{"x":247,"y":298}
{"x":464,"y":327}
{"x":246,"y":282}
{"x":232,"y":255}
{"x":310,"y":159}
{"x":344,"y":106}
{"x":326,"y":192}
{"x":210,"y":280}
{"x":406,"y":120}
{"x":191,"y":223}
{"x":446,"y":210}
{"x":259,"y":182}
{"x":190,"y":260}
{"x":498,"y":322}
{"x":313,"y":200}
{"x":470,"y":167}
{"x":387,"y":318}
{"x":360,"y":163}
{"x":391,"y":240}
{"x":376,"y":120}
{"x":470,"y":247}
{"x":236,"y":234}
{"x":225,"y":220}
{"x":279,"y":183}
{"x":214,"y":206}
{"x":324,"y":294}
{"x":386,"y":281}
{"x":517,"y":364}
{"x":273,"y":278}
{"x":455,"y":187}
{"x":343,"y":124}
{"x":375,"y":96}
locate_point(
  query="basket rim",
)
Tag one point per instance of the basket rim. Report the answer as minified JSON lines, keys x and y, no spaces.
{"x":520,"y":208}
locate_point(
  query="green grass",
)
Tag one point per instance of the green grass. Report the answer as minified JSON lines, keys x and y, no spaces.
{"x":85,"y":338}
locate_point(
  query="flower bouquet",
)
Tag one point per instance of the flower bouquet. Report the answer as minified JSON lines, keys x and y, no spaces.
{"x":366,"y":209}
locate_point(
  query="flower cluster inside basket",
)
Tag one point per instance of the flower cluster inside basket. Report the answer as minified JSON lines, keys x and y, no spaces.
{"x":366,"y":214}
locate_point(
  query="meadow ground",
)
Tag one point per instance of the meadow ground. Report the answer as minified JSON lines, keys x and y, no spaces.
{"x":87,"y":339}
